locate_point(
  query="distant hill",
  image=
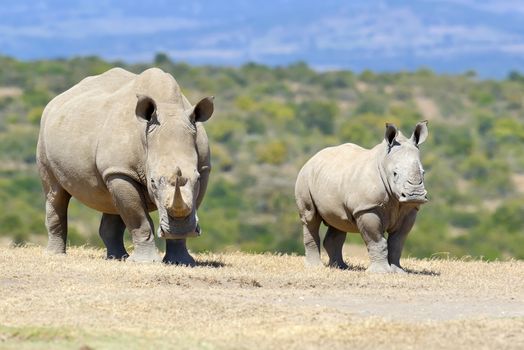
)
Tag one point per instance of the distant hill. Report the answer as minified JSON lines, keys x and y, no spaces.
{"x":269,"y":121}
{"x":447,"y":36}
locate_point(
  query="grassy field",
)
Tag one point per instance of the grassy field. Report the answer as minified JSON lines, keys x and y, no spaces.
{"x":238,"y":300}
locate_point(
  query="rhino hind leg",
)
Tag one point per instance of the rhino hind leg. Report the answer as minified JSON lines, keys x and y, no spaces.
{"x":371,"y":230}
{"x":310,"y":226}
{"x":111,"y":231}
{"x":333,"y":243}
{"x":177,"y":254}
{"x":312,"y":242}
{"x":57,"y":201}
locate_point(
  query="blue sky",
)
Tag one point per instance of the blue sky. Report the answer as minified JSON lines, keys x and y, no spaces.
{"x":448,"y":36}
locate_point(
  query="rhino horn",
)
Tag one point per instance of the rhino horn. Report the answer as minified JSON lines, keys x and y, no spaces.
{"x":179,"y":207}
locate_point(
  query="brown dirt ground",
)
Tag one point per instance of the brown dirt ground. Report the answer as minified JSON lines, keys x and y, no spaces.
{"x":246,"y":301}
{"x":428,"y":108}
{"x":10,"y":91}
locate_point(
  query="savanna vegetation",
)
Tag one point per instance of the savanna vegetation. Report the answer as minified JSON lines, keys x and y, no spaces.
{"x":269,"y":121}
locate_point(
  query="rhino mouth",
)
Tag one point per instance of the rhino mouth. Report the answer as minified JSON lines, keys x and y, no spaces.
{"x":179,"y":228}
{"x":415,"y":197}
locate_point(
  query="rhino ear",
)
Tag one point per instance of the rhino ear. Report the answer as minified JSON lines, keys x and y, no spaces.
{"x":203,"y":109}
{"x":145,"y":108}
{"x":391,"y":133}
{"x":420,"y":133}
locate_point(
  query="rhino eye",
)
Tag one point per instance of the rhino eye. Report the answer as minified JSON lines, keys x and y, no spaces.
{"x":153,"y":184}
{"x":395,"y":174}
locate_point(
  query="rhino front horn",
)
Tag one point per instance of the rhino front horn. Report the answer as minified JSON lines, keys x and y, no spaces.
{"x":179,"y":207}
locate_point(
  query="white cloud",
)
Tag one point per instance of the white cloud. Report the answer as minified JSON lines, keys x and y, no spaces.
{"x":491,"y":6}
{"x":513,"y":48}
{"x":389,"y":32}
{"x":85,"y":27}
{"x":200,"y":54}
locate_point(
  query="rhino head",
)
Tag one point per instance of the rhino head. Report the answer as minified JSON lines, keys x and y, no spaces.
{"x":401,"y":168}
{"x":173,"y":177}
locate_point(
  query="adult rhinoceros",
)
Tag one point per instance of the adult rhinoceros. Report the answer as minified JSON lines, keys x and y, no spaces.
{"x":352,"y":189}
{"x":125,"y":145}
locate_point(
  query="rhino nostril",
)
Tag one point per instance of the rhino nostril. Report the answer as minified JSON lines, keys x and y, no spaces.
{"x":415,"y":183}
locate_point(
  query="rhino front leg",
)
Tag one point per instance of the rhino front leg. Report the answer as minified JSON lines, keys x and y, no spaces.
{"x":112,"y":233}
{"x":177,"y":254}
{"x":131,"y":204}
{"x":333,"y":243}
{"x":396,"y":241}
{"x":371,"y":230}
{"x":57,"y":201}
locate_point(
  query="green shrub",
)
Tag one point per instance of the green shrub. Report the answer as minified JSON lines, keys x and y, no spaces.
{"x":274,"y":152}
{"x":318,"y":114}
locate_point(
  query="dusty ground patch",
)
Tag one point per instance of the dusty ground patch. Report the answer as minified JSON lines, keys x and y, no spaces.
{"x":255,"y":301}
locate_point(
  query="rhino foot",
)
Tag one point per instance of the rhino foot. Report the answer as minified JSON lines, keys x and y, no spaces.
{"x":313,"y":262}
{"x":376,"y":267}
{"x":54,"y":250}
{"x":117,"y":256}
{"x":177,"y":254}
{"x":184,"y":259}
{"x":56,"y":245}
{"x":397,"y":269}
{"x":144,"y":254}
{"x":338,"y":264}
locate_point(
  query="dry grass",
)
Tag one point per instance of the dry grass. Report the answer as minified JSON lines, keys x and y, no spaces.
{"x":255,"y":301}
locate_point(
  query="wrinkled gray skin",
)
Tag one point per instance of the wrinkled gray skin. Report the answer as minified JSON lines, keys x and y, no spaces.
{"x":125,"y":145}
{"x":352,"y":189}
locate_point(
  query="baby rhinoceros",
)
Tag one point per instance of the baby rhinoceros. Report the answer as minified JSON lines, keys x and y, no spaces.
{"x":371,"y":191}
{"x":125,"y":145}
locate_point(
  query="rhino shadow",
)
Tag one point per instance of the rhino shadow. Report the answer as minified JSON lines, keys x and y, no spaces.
{"x":210,"y":263}
{"x":423,"y":272}
{"x":360,"y":268}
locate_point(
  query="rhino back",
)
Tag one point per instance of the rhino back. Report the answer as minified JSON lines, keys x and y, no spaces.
{"x":344,"y":181}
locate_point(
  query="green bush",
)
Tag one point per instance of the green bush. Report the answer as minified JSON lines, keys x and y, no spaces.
{"x":274,"y":152}
{"x":371,"y":104}
{"x":318,"y":114}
